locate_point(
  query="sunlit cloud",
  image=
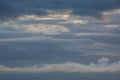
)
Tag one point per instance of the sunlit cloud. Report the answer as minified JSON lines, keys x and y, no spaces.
{"x":65,"y":18}
{"x":74,"y":22}
{"x":115,"y":11}
{"x":36,"y":28}
{"x":33,"y":17}
{"x":47,"y":29}
{"x":48,"y":17}
{"x":112,"y":16}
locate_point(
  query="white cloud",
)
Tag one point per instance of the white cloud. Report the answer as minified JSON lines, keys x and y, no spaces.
{"x":102,"y":66}
{"x":33,"y":17}
{"x":66,"y":17}
{"x":48,"y":17}
{"x":74,"y":21}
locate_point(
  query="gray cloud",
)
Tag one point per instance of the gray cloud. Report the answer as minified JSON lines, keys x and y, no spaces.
{"x":15,"y":8}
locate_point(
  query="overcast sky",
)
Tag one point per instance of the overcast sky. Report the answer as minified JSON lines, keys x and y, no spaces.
{"x":60,"y":36}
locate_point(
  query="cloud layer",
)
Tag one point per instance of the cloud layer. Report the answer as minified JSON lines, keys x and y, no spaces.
{"x":102,"y":66}
{"x":15,"y":8}
{"x":64,"y":32}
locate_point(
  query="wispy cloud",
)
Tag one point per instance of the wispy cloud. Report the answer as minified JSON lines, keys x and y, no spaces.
{"x":101,"y":54}
{"x":102,"y":66}
{"x":36,"y":28}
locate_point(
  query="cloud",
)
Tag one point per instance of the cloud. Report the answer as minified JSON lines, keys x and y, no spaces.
{"x":46,"y":29}
{"x":116,"y":11}
{"x":35,"y":28}
{"x":101,"y":54}
{"x":112,"y":26}
{"x":55,"y":16}
{"x":15,"y":8}
{"x":34,"y":38}
{"x":102,"y":66}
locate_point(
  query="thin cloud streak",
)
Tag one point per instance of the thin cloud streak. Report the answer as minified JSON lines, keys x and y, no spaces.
{"x":101,"y":54}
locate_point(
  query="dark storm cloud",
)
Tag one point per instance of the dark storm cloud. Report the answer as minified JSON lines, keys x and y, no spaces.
{"x":15,"y":8}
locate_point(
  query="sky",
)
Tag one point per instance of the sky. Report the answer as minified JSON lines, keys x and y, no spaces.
{"x":59,"y":39}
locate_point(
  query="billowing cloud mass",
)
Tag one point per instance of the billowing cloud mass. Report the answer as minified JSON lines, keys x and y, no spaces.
{"x":15,"y":8}
{"x":103,"y":65}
